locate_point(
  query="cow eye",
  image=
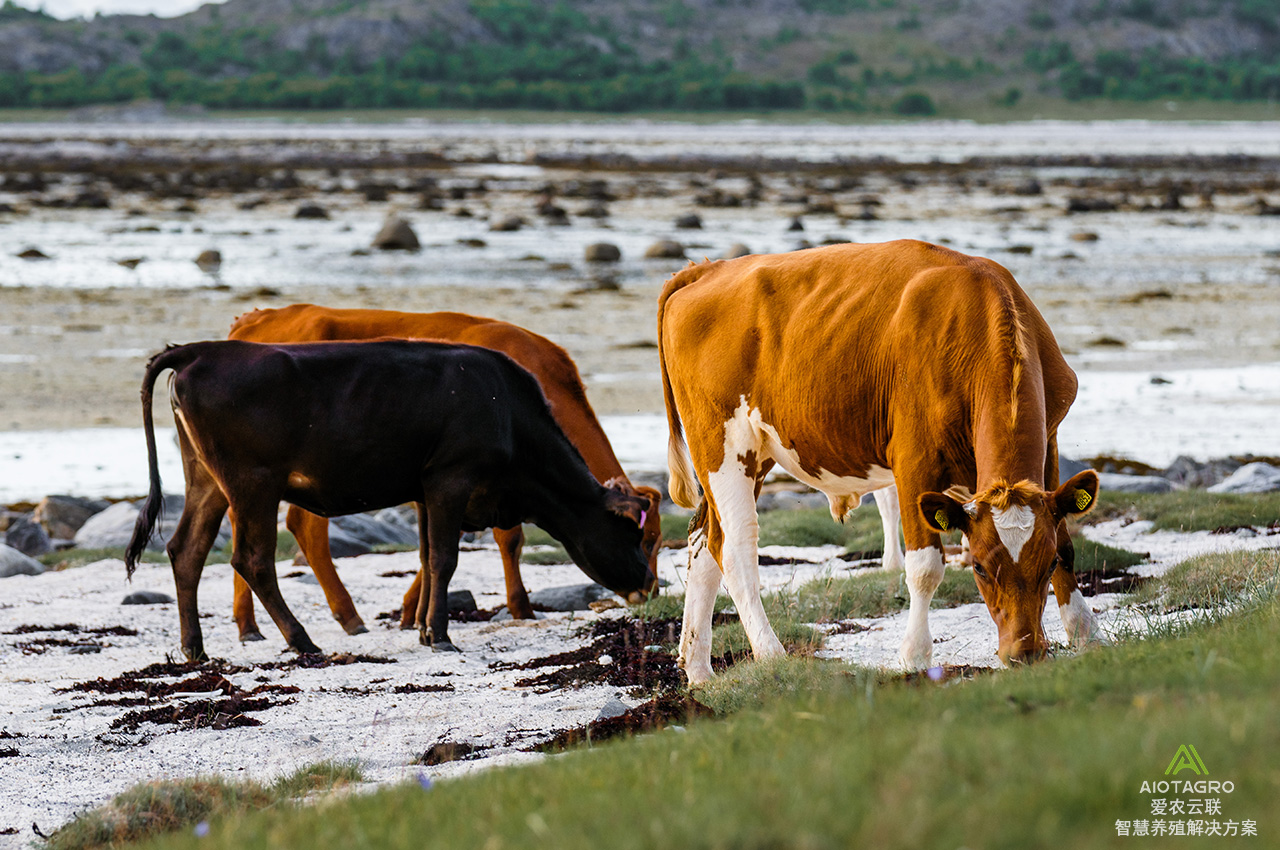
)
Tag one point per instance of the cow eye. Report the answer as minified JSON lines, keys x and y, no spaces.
{"x":980,"y":571}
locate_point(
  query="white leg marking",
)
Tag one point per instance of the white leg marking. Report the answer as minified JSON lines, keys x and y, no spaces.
{"x":699,"y":607}
{"x":890,"y":514}
{"x":924,"y":574}
{"x":1015,"y":526}
{"x":733,"y":488}
{"x":1080,"y":624}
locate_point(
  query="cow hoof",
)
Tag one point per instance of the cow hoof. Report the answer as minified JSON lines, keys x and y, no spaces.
{"x":249,"y":637}
{"x":444,"y":646}
{"x":424,"y":637}
{"x":196,"y":654}
{"x":356,"y":627}
{"x":307,"y":648}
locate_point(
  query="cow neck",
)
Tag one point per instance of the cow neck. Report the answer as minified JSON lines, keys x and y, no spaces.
{"x":1010,"y":454}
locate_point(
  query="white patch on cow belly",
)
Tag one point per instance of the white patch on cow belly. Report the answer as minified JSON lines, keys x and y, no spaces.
{"x":1015,"y":526}
{"x":843,"y":492}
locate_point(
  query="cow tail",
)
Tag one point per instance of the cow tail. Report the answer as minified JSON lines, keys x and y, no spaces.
{"x":172,"y":357}
{"x":683,"y":482}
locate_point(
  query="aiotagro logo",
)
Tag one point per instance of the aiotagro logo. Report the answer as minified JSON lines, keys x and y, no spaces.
{"x":1187,"y":807}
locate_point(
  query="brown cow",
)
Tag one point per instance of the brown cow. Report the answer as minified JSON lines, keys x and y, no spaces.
{"x":548,"y":362}
{"x":854,"y":367}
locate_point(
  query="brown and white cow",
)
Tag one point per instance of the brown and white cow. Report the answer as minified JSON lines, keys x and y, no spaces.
{"x":545,"y":360}
{"x":854,"y":367}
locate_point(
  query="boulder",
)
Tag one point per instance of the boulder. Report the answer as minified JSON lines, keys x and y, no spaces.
{"x":614,"y":707}
{"x":27,"y":537}
{"x":689,"y":221}
{"x":396,"y":235}
{"x":1118,"y":483}
{"x":375,"y":532}
{"x":1254,"y":477}
{"x":570,"y":597}
{"x":33,"y":254}
{"x":1067,"y":467}
{"x":462,"y":600}
{"x":342,"y":544}
{"x":1188,"y":472}
{"x":210,"y":260}
{"x":789,"y":501}
{"x":14,"y":563}
{"x":602,"y":252}
{"x":664,"y":249}
{"x":507,"y":224}
{"x":113,"y":527}
{"x":312,"y":211}
{"x":737,"y":249}
{"x":147,"y":597}
{"x":62,"y":516}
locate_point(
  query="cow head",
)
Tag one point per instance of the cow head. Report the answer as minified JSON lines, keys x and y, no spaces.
{"x":638,"y":508}
{"x":1013,"y":535}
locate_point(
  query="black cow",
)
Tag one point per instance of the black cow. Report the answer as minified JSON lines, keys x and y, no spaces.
{"x":341,"y":427}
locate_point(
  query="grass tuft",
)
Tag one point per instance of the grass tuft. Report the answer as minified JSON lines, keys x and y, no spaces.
{"x":166,"y":806}
{"x":1190,"y":510}
{"x":751,"y":683}
{"x":1224,"y":581}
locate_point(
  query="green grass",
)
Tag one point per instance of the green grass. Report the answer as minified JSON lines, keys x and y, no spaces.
{"x":165,"y":806}
{"x":1189,"y":510}
{"x":1099,"y":556}
{"x":815,"y":527}
{"x":823,"y":755}
{"x":1214,"y":581}
{"x":65,"y":559}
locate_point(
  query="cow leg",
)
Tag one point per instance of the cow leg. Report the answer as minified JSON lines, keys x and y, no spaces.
{"x":312,"y":534}
{"x":409,"y":608}
{"x":242,"y":610}
{"x":1077,"y":617}
{"x":510,"y":541}
{"x":253,"y":558}
{"x":188,"y":547}
{"x":439,"y":527}
{"x":733,"y":505}
{"x":924,"y":569}
{"x":890,"y":514}
{"x":699,"y":602}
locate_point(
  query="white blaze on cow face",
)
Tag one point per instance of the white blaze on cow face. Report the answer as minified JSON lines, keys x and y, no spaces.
{"x":1015,"y":525}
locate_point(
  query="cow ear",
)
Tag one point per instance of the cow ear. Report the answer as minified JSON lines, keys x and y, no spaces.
{"x":1077,"y":495}
{"x":622,"y":499}
{"x":943,"y":513}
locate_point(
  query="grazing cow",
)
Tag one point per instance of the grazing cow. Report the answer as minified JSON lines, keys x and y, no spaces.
{"x":854,"y":367}
{"x":343,"y":427}
{"x":545,"y":360}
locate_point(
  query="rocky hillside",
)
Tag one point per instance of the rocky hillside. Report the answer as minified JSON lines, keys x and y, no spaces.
{"x":610,"y":54}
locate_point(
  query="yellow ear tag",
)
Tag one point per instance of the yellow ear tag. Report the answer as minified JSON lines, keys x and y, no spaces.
{"x":1083,"y":499}
{"x":941,"y":518}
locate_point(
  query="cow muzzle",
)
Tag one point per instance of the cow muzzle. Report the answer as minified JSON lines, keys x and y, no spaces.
{"x":1028,"y":647}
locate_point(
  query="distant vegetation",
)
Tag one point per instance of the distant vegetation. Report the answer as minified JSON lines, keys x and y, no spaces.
{"x":879,"y":56}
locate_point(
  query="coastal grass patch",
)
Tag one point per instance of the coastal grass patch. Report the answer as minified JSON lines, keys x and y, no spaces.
{"x":66,"y":559}
{"x":1189,"y":510}
{"x":1217,"y":581}
{"x":1091,"y":556}
{"x":165,"y":806}
{"x":806,"y":759}
{"x":860,"y":531}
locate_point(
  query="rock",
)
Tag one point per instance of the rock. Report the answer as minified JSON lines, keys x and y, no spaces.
{"x":689,"y":221}
{"x":308,"y":578}
{"x":571,"y":597}
{"x":503,"y":614}
{"x":462,"y":600}
{"x":796,"y":225}
{"x":312,"y":211}
{"x":665,"y":249}
{"x":114,"y":526}
{"x":1030,"y":186}
{"x":507,"y":224}
{"x":1021,"y":249}
{"x":342,"y":544}
{"x":130,"y":263}
{"x":1082,"y":204}
{"x":396,"y":235}
{"x":1117,"y":483}
{"x":210,"y":260}
{"x":14,"y":563}
{"x":27,"y":537}
{"x":62,"y":516}
{"x":613,"y":708}
{"x":594,"y":211}
{"x":602,"y":252}
{"x":33,"y":254}
{"x":1067,"y":467}
{"x":1188,"y":472}
{"x":147,"y":597}
{"x":1254,"y":477}
{"x":1084,"y":236}
{"x":375,"y":532}
{"x":737,"y":249}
